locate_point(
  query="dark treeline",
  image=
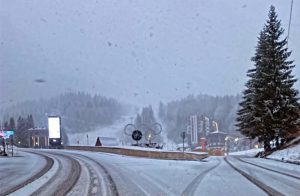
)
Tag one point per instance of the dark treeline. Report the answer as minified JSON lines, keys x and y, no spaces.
{"x":20,"y":127}
{"x":221,"y":109}
{"x":147,"y":118}
{"x":79,"y":112}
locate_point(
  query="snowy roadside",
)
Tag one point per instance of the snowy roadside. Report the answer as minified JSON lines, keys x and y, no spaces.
{"x":290,"y":155}
{"x":250,"y":153}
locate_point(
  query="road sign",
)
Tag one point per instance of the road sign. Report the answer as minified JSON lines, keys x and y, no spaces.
{"x":6,"y":134}
{"x":10,"y":132}
{"x":137,"y":135}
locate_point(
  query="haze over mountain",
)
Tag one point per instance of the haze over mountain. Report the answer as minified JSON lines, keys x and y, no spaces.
{"x":140,"y":52}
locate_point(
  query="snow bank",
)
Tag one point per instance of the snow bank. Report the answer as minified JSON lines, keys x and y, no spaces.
{"x":291,"y":154}
{"x":251,"y":152}
{"x":153,"y":149}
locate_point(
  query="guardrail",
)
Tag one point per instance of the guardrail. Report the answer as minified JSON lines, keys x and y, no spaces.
{"x":169,"y":155}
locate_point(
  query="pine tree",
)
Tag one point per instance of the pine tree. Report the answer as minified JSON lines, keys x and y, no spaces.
{"x":269,"y":109}
{"x":29,"y":122}
{"x":161,"y":111}
{"x":147,"y":115}
{"x":246,"y":122}
{"x":138,"y":121}
{"x":12,"y":125}
{"x":5,"y":125}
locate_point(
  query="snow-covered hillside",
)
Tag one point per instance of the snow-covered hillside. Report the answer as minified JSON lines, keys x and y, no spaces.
{"x":114,"y":131}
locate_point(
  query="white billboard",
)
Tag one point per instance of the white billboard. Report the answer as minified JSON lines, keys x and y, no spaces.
{"x":54,"y":126}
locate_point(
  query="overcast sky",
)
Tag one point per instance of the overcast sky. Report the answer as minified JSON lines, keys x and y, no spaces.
{"x":137,"y":51}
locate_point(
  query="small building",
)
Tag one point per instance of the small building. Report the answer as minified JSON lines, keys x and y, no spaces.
{"x":108,"y":141}
{"x":216,"y":139}
{"x":216,"y":143}
{"x":38,"y":137}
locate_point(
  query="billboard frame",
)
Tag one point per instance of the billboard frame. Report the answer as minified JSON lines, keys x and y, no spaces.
{"x":57,"y":141}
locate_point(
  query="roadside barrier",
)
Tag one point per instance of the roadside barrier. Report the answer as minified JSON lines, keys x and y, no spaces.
{"x":169,"y":155}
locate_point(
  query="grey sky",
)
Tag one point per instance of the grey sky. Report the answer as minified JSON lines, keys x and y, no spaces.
{"x":137,"y":51}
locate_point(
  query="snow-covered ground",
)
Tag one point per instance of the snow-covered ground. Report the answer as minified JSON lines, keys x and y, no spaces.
{"x":144,"y":176}
{"x":113,"y":131}
{"x":289,"y":154}
{"x":251,"y":152}
{"x":14,"y":170}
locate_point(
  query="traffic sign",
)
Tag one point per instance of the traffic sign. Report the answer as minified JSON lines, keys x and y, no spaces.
{"x":137,"y":135}
{"x":6,"y":134}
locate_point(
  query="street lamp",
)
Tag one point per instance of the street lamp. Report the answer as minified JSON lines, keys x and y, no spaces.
{"x":227,"y":140}
{"x":149,"y":138}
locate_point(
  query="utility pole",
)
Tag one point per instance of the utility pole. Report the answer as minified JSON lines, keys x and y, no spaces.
{"x":87,"y":139}
{"x":12,"y":145}
{"x":3,"y":144}
{"x":183,"y":137}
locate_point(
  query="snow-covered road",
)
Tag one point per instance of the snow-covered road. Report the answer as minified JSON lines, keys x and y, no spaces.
{"x":94,"y":173}
{"x":272,"y":177}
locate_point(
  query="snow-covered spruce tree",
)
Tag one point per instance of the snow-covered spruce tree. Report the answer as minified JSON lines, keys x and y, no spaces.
{"x":245,"y":119}
{"x":247,"y":123}
{"x":269,"y":109}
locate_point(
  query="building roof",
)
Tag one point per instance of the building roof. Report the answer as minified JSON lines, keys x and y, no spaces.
{"x":218,"y":132}
{"x":109,"y":141}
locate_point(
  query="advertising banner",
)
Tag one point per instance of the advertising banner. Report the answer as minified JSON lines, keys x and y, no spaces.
{"x":54,"y":126}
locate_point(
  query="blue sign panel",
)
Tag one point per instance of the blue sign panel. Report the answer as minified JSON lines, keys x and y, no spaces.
{"x":6,"y":134}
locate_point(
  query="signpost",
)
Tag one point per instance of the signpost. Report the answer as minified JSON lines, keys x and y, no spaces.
{"x":6,"y":135}
{"x":147,"y":131}
{"x":183,"y":134}
{"x":137,"y":136}
{"x":87,"y":139}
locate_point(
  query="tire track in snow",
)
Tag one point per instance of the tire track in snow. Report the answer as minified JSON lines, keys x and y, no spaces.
{"x":45,"y":169}
{"x":69,"y":182}
{"x":192,"y":187}
{"x":110,"y":182}
{"x":267,"y":189}
{"x":273,"y":170}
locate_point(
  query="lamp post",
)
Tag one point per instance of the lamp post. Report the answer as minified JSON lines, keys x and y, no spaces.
{"x":183,"y":134}
{"x":227,"y":140}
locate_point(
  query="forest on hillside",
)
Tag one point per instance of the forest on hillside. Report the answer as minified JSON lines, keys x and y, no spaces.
{"x":79,"y":111}
{"x":221,"y":109}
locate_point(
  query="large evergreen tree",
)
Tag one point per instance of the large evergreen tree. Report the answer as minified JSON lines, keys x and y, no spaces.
{"x":269,"y":109}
